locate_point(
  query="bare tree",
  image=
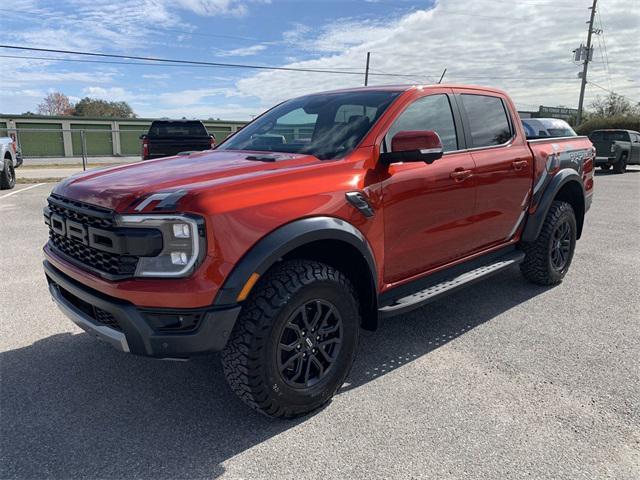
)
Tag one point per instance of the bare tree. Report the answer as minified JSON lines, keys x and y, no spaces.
{"x":55,"y":103}
{"x":611,"y":105}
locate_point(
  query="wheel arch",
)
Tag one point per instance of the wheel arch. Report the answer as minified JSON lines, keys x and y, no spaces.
{"x":329,"y":240}
{"x":565,"y":186}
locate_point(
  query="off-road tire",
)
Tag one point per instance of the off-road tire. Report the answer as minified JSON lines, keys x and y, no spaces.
{"x":538,"y":266}
{"x":8,"y":175}
{"x":621,"y":165}
{"x":250,"y":358}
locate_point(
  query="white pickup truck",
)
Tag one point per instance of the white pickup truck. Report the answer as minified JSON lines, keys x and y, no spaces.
{"x":11,"y":159}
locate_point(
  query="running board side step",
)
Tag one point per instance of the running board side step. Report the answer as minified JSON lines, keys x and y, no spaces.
{"x":449,"y":285}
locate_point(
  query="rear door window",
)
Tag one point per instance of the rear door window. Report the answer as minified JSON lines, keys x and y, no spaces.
{"x":488,"y":121}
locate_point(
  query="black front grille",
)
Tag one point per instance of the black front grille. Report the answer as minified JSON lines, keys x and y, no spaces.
{"x":103,"y":262}
{"x":110,"y":263}
{"x":101,"y":316}
{"x":84,"y":213}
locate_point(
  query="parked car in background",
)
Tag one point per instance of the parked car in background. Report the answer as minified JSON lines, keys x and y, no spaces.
{"x":171,"y":137}
{"x":282,"y":243}
{"x":616,"y":148}
{"x":11,"y":159}
{"x":546,"y":127}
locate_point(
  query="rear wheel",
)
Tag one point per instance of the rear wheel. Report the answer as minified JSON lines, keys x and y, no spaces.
{"x":621,"y":165}
{"x":295,"y":340}
{"x":547,"y":259}
{"x":8,"y":175}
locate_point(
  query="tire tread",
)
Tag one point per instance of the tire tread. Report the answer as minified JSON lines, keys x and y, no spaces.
{"x":241,"y":357}
{"x":535,"y":266}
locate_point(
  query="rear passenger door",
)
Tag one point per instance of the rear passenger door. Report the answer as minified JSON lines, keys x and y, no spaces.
{"x":503,"y":167}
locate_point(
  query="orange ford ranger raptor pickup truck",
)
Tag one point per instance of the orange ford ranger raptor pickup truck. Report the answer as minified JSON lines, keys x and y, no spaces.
{"x":322,"y":216}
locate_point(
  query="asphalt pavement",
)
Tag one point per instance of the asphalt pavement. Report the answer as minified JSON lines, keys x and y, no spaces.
{"x":503,"y":380}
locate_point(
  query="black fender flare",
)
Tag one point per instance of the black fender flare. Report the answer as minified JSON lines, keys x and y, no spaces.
{"x":285,"y":239}
{"x":560,"y":179}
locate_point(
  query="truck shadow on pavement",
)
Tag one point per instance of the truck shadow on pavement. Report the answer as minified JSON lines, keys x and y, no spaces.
{"x":72,"y":407}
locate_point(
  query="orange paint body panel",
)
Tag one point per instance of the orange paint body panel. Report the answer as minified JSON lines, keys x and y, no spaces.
{"x":424,"y":219}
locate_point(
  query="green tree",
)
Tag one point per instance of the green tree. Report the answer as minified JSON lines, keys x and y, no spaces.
{"x":93,"y":107}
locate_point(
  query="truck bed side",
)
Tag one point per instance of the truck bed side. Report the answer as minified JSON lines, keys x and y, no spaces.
{"x":557,"y":162}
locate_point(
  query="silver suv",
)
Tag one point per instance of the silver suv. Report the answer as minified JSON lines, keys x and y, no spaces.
{"x":11,"y":159}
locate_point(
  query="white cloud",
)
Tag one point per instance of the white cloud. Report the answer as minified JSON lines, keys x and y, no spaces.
{"x":243,"y":51}
{"x":111,"y":94}
{"x":192,"y":97}
{"x":212,"y":7}
{"x":520,"y":47}
{"x":156,"y":76}
{"x":224,"y":111}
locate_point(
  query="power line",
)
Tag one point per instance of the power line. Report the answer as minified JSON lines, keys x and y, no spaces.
{"x":409,"y":76}
{"x":197,"y":62}
{"x":604,"y":43}
{"x":115,"y":62}
{"x":611,"y":91}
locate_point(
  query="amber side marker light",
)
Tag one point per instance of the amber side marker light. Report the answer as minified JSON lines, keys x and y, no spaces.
{"x":244,"y":293}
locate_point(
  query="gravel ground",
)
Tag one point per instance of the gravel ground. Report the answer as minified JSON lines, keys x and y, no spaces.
{"x":503,"y":380}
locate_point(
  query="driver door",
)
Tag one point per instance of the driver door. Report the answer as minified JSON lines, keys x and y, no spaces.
{"x":428,"y":209}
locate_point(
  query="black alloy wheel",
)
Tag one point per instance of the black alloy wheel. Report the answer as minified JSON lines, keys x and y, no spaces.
{"x":560,"y":245}
{"x":309,"y":344}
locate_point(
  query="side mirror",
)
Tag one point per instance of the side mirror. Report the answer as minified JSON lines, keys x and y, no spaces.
{"x":413,"y":146}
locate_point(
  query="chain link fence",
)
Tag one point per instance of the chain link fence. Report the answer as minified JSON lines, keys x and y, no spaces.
{"x":50,"y":146}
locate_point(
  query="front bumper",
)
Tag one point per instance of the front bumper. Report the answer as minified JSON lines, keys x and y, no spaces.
{"x":125,"y":326}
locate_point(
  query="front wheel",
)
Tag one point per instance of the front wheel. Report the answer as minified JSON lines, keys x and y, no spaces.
{"x":295,"y":340}
{"x":8,"y":175}
{"x":547,"y":259}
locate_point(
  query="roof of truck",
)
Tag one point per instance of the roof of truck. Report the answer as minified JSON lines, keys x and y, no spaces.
{"x":404,"y":88}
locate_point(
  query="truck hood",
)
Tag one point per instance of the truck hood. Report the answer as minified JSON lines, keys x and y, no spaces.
{"x":118,"y":188}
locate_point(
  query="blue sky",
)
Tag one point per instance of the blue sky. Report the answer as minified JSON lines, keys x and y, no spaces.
{"x":523,"y":47}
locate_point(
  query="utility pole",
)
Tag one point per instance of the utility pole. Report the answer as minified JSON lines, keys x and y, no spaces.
{"x":586,"y":64}
{"x":366,"y":70}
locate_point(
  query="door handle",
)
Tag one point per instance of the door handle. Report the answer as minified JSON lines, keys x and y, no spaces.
{"x":519,"y":164}
{"x":460,"y":174}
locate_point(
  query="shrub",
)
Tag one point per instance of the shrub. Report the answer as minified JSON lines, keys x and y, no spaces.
{"x":626,"y":122}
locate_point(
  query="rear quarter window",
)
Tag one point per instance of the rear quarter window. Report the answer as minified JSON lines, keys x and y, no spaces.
{"x":488,"y":121}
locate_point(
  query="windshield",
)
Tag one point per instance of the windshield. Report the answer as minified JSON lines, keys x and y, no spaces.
{"x":328,"y":125}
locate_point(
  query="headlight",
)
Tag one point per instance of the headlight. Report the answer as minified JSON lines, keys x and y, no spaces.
{"x":183,"y":244}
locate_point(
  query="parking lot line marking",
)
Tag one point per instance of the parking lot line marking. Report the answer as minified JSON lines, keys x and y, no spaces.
{"x":21,"y":190}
